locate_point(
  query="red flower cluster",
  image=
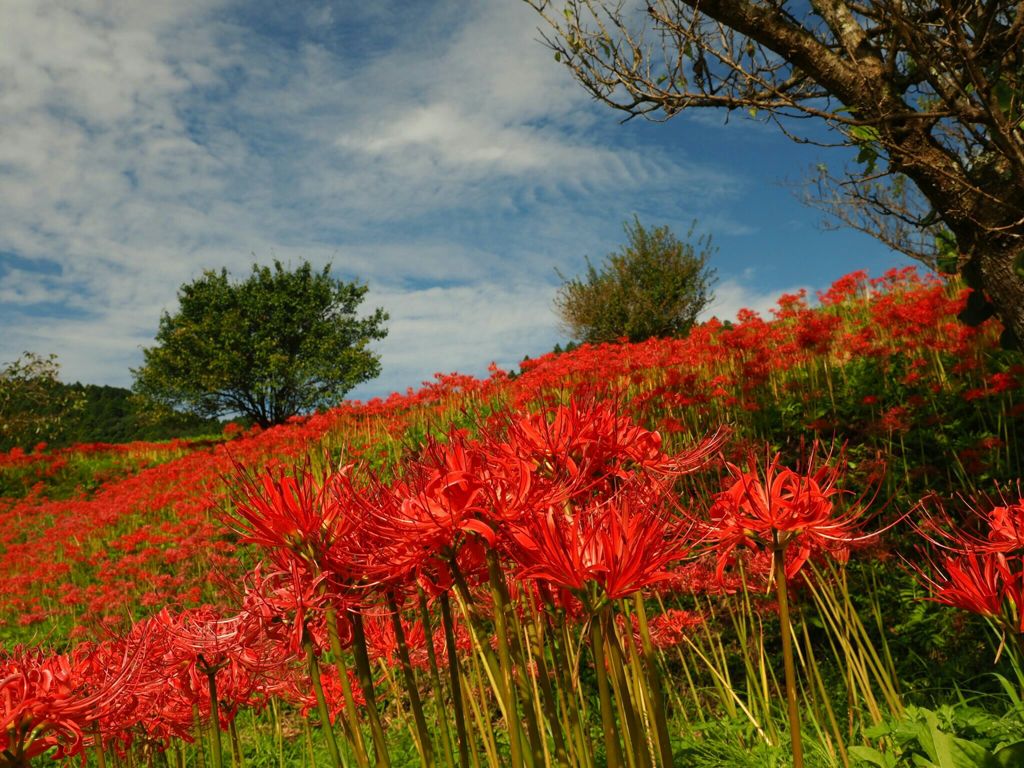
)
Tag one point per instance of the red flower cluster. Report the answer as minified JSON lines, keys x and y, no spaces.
{"x":983,"y":575}
{"x":776,"y":508}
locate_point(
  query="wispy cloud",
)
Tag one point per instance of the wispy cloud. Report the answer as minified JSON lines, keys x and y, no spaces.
{"x":440,"y":156}
{"x":743,"y":292}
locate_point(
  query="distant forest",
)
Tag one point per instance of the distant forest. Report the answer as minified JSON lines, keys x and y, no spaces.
{"x":116,"y":415}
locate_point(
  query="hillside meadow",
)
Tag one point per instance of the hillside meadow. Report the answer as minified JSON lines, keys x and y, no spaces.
{"x":794,"y":539}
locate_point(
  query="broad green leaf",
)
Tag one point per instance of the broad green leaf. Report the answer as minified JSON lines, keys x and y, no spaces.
{"x":864,"y":133}
{"x":1010,"y":756}
{"x":872,"y":756}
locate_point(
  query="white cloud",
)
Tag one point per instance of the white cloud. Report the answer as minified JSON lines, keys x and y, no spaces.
{"x":442,"y":157}
{"x":734,"y":294}
{"x":463,"y":328}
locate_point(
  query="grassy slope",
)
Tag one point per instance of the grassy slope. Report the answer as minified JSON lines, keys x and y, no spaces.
{"x":881,"y":367}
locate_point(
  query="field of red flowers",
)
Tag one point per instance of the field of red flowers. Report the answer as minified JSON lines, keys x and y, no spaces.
{"x":736,"y":548}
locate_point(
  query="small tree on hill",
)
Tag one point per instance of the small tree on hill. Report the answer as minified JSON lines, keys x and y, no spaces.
{"x":655,"y":285}
{"x":282,"y":342}
{"x":33,"y":402}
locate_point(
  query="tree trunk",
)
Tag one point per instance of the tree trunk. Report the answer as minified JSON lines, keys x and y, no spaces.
{"x":985,"y":215}
{"x":1002,"y":279}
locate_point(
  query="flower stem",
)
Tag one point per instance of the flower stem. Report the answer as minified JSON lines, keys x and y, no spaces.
{"x":237,"y":757}
{"x":366,"y":683}
{"x":505,"y":662}
{"x":613,"y":752}
{"x":351,"y":713}
{"x":200,"y":741}
{"x":422,"y":734}
{"x":782,"y":591}
{"x":435,"y":678}
{"x":216,"y":748}
{"x":456,"y":682}
{"x":657,"y":698}
{"x":321,"y":703}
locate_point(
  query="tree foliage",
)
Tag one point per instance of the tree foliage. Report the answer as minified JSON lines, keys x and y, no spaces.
{"x":33,"y":402}
{"x":280,"y":343}
{"x":930,"y":91}
{"x":654,"y":286}
{"x":117,"y":415}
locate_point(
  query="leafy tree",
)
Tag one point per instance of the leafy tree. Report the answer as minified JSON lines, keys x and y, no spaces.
{"x":280,"y":343}
{"x":655,"y":285}
{"x":33,"y":402}
{"x":930,"y":91}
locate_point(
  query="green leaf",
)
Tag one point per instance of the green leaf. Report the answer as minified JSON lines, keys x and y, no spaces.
{"x":1004,"y":97}
{"x":948,"y":751}
{"x":864,"y":133}
{"x":1010,"y":756}
{"x":967,"y":754}
{"x":872,"y":756}
{"x":868,"y":157}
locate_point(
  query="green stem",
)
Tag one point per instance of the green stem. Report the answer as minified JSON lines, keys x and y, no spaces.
{"x":435,"y":679}
{"x":534,"y":637}
{"x":101,"y":758}
{"x":782,"y":591}
{"x":200,"y":741}
{"x":625,"y":704}
{"x":383,"y":759}
{"x":236,"y":745}
{"x":321,"y":703}
{"x":354,"y":730}
{"x":657,"y":697}
{"x":504,"y":659}
{"x":613,"y":752}
{"x":423,"y":735}
{"x":517,"y":647}
{"x":216,"y":748}
{"x":278,"y":732}
{"x":456,"y":679}
{"x":309,"y":743}
{"x":567,"y":698}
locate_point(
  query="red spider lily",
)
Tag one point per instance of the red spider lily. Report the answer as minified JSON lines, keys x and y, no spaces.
{"x":420,"y":522}
{"x":383,"y":643}
{"x":288,"y":604}
{"x":57,"y":702}
{"x":595,"y":508}
{"x":235,"y":651}
{"x":1002,"y":527}
{"x":621,"y":544}
{"x":780,"y":508}
{"x":295,"y":518}
{"x":333,"y":692}
{"x":983,"y":574}
{"x":585,"y":443}
{"x":975,"y":582}
{"x":1006,"y":527}
{"x":666,"y":630}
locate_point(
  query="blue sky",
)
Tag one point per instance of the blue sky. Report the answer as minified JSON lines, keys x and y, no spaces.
{"x":439,"y":154}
